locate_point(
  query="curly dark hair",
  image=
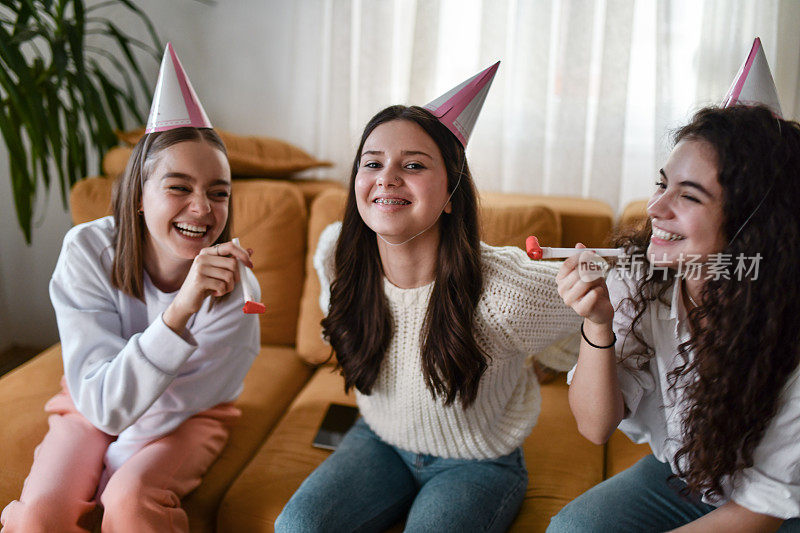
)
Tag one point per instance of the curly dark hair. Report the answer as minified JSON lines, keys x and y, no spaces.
{"x":746,"y":332}
{"x":359,"y":324}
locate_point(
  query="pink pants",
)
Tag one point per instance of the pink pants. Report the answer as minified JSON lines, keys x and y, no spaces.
{"x":143,"y":495}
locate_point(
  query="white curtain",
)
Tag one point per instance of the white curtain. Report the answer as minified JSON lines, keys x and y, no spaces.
{"x":586,"y":94}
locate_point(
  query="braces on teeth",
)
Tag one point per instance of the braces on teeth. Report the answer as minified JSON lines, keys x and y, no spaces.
{"x":389,"y":201}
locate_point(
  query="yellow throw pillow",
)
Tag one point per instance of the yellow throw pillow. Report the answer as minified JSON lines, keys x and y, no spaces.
{"x":262,"y":157}
{"x":115,"y":161}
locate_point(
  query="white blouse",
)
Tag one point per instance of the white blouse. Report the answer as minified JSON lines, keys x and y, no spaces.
{"x":772,"y":485}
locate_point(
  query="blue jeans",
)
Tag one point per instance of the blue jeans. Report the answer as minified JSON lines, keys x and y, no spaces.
{"x":641,"y":498}
{"x":368,"y":485}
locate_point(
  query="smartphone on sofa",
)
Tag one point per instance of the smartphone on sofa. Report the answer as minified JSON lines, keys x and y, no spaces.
{"x":338,"y":419}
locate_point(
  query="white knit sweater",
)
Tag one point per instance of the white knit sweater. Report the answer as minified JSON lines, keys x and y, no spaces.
{"x":519,"y":314}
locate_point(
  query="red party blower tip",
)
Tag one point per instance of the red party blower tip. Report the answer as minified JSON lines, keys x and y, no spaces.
{"x":254,"y":308}
{"x":533,"y":248}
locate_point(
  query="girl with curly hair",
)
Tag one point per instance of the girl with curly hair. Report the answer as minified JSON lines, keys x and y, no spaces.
{"x":432,"y":328}
{"x":695,"y":351}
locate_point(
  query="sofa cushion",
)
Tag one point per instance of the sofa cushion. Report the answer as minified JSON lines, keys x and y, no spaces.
{"x":23,"y":393}
{"x":268,"y":216}
{"x":504,"y":222}
{"x":115,"y":160}
{"x":582,"y":219}
{"x":561,"y":464}
{"x":275,"y":378}
{"x":326,"y":208}
{"x":258,"y":495}
{"x":634,"y":216}
{"x":311,"y":188}
{"x":90,"y":199}
{"x":262,"y":157}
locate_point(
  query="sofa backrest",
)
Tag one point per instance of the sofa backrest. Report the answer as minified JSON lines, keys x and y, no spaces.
{"x":634,"y":216}
{"x":504,"y":222}
{"x":268,"y":216}
{"x":582,"y":219}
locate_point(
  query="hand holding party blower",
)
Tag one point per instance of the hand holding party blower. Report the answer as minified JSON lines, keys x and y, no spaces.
{"x":250,"y":305}
{"x":535,"y":251}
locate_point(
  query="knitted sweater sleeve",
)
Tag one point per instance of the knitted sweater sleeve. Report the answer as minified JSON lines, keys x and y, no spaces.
{"x":524,"y":305}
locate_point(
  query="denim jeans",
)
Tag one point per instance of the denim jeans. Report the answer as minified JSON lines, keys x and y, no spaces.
{"x":368,"y":485}
{"x":641,"y":498}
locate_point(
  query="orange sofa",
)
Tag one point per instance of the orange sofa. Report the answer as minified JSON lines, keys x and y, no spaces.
{"x":287,"y":391}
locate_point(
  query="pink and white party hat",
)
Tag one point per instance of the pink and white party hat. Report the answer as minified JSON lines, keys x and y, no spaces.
{"x":753,"y":83}
{"x":458,"y":108}
{"x":175,"y":104}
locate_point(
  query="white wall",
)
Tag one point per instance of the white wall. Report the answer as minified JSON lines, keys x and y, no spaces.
{"x":220,"y":47}
{"x":25,"y":313}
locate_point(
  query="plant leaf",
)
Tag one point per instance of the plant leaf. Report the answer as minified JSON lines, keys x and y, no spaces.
{"x":124,"y":44}
{"x":57,"y":102}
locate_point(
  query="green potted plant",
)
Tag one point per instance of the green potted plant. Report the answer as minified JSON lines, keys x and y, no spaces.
{"x":60,"y":98}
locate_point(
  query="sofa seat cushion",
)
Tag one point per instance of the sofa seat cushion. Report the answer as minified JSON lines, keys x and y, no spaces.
{"x":622,"y":453}
{"x":23,"y":393}
{"x":275,"y":378}
{"x":561,"y":464}
{"x":268,"y":216}
{"x":257,"y":497}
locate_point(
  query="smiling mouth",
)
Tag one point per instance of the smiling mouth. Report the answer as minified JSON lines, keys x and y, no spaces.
{"x":666,"y":236}
{"x":391,"y":201}
{"x":190,"y":230}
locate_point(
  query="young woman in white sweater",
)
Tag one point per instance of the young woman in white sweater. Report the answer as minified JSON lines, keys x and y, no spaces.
{"x":432,"y":328}
{"x":155,"y":347}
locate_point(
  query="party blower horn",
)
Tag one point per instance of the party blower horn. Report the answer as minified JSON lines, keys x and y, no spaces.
{"x":251,"y":306}
{"x":536,"y":251}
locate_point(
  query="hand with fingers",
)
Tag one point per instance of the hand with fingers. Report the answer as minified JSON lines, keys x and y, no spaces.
{"x":582,"y":286}
{"x":214,"y":272}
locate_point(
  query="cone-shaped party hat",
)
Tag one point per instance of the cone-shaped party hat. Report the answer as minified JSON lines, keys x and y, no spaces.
{"x":458,"y":108}
{"x":753,"y":83}
{"x":175,"y":104}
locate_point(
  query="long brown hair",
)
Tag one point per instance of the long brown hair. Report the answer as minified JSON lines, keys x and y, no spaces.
{"x":127,"y":271}
{"x":359,"y":324}
{"x":746,"y":334}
